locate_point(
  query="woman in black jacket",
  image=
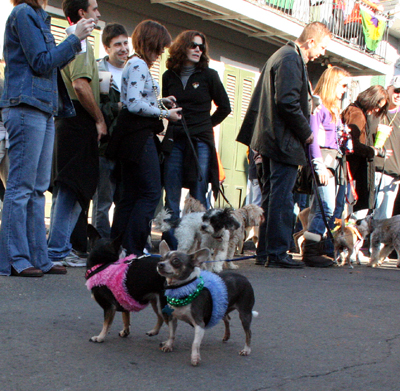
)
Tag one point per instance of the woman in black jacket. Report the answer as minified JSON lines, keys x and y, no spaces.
{"x":195,"y":87}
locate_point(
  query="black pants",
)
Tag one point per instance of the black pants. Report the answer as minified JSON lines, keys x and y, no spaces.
{"x":141,"y":193}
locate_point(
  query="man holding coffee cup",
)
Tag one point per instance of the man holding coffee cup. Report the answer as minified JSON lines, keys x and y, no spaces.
{"x":387,"y":175}
{"x":115,"y":42}
{"x":76,"y":159}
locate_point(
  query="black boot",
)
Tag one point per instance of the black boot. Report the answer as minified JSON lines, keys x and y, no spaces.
{"x":312,"y":256}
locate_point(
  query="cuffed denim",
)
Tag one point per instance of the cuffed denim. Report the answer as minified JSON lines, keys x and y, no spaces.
{"x":65,"y":211}
{"x":104,"y":197}
{"x":173,"y":181}
{"x":23,"y":233}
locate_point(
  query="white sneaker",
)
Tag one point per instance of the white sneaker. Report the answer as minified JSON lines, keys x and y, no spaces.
{"x":72,"y":260}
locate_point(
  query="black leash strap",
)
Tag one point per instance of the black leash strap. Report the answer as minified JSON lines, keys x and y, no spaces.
{"x":222,"y":192}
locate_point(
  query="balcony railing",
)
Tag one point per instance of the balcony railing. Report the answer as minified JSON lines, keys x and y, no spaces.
{"x":343,"y":18}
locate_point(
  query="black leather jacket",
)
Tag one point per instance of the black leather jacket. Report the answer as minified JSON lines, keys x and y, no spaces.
{"x":277,"y":120}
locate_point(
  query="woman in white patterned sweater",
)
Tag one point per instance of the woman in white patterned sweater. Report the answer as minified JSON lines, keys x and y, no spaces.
{"x":133,"y":142}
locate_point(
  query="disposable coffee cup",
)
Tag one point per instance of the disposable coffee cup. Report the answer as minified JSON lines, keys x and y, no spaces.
{"x":382,"y":135}
{"x":105,"y":78}
{"x":70,"y":30}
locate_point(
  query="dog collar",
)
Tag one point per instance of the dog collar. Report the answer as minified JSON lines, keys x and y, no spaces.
{"x":181,"y":302}
{"x":98,"y":268}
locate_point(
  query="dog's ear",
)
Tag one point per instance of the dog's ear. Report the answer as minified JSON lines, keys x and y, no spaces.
{"x":234,"y":223}
{"x":163,"y":248}
{"x":200,"y":256}
{"x":93,"y":235}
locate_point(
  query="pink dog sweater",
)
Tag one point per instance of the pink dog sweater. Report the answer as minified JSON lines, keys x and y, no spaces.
{"x":114,"y":278}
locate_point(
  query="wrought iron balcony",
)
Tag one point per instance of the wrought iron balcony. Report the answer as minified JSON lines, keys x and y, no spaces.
{"x":349,"y":21}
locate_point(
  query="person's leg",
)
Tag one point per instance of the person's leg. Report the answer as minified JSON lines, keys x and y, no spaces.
{"x":79,"y":240}
{"x":22,"y":229}
{"x":386,"y":196}
{"x":263,"y":173}
{"x":148,"y":193}
{"x":65,"y":214}
{"x":313,"y":251}
{"x":200,"y":188}
{"x":280,"y":214}
{"x":173,"y":172}
{"x":103,"y":198}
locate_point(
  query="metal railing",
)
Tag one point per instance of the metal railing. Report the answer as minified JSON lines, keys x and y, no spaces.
{"x":341,"y":16}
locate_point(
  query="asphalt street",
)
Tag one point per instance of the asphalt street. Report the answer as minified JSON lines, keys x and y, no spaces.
{"x":317,"y":329}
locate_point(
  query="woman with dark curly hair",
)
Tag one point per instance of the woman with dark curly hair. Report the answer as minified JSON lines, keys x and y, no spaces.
{"x":373,"y":101}
{"x":195,"y":87}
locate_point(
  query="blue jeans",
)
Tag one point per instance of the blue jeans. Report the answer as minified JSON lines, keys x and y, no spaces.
{"x":23,"y":232}
{"x":173,"y":181}
{"x":278,"y":180}
{"x":65,"y":211}
{"x":141,"y":192}
{"x":104,"y":197}
{"x":328,"y":195}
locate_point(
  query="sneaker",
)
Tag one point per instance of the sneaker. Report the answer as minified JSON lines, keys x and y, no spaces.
{"x":71,"y":260}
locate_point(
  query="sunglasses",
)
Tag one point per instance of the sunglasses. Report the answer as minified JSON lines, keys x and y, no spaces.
{"x":194,"y":45}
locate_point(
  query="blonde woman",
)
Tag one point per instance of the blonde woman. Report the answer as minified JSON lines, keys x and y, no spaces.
{"x":323,"y":151}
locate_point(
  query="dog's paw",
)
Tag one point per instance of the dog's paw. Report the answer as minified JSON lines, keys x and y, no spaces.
{"x":195,"y":360}
{"x":217,"y":268}
{"x":152,"y":333}
{"x":245,"y":352}
{"x":96,"y":338}
{"x":124,"y":333}
{"x":166,"y":346}
{"x":232,"y":265}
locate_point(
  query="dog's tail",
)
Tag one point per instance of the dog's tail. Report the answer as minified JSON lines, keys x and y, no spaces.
{"x":255,"y":313}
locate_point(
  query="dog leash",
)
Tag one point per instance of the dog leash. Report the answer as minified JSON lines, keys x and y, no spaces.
{"x":226,"y":260}
{"x":222,"y":192}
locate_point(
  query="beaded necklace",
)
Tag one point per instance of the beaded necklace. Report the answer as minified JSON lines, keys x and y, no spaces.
{"x":175,"y":302}
{"x":160,"y":102}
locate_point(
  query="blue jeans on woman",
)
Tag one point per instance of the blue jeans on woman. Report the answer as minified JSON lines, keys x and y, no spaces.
{"x":23,"y":232}
{"x":141,"y":192}
{"x":65,"y":212}
{"x":173,"y":181}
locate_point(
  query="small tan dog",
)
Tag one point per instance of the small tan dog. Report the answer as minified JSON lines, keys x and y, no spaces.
{"x":250,"y":217}
{"x":192,"y":205}
{"x":347,"y":242}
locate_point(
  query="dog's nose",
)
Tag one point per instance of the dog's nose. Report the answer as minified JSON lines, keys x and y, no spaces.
{"x":160,"y":266}
{"x":203,"y":227}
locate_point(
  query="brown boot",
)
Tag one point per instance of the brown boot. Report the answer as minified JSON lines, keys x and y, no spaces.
{"x":312,"y":256}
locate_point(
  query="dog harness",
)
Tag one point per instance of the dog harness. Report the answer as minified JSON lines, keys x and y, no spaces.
{"x":114,"y":278}
{"x":187,"y":293}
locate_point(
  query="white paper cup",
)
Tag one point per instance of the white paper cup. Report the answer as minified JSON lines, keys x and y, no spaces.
{"x":70,"y":30}
{"x":105,"y":78}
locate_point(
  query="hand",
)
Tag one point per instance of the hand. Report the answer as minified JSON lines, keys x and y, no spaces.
{"x":120,"y":105}
{"x":388,"y":153}
{"x":174,"y":114}
{"x":310,"y":139}
{"x":169,"y":102}
{"x":323,"y":176}
{"x":84,"y":28}
{"x":101,"y":128}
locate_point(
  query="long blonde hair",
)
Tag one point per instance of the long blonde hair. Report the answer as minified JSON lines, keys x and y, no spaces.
{"x":326,"y":89}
